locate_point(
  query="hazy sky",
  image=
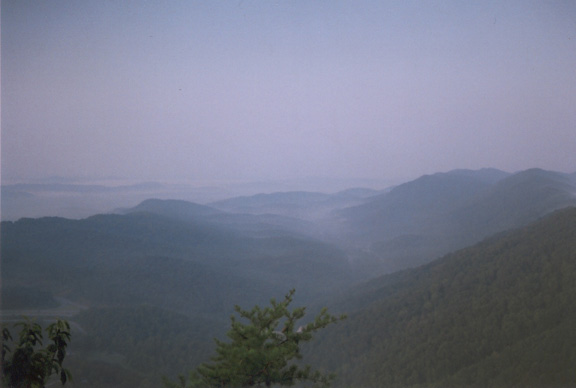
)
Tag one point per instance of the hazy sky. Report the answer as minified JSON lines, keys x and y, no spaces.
{"x":216,"y":90}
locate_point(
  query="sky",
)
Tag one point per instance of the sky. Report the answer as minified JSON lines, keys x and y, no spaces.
{"x":257,"y":90}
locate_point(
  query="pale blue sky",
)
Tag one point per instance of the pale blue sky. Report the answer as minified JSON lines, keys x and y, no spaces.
{"x":246,"y":90}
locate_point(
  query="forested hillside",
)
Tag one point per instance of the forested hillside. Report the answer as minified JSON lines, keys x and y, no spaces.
{"x":156,"y":282}
{"x":421,"y":220}
{"x":121,"y":258}
{"x":149,"y":286}
{"x":498,"y":314}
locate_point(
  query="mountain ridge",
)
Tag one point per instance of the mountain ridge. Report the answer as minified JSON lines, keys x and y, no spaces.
{"x":435,"y":214}
{"x":474,"y":318}
{"x":167,"y":257}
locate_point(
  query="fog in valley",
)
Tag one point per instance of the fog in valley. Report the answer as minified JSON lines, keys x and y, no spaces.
{"x":409,"y":164}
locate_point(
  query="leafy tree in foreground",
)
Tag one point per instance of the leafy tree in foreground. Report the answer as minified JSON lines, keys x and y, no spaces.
{"x":262,"y":352}
{"x":30,"y":365}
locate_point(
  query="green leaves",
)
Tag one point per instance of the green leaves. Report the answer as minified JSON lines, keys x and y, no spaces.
{"x":29,"y":365}
{"x":262,"y":350}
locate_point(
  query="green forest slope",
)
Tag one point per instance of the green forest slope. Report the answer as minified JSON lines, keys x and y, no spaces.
{"x":151,"y":291}
{"x":498,"y":314}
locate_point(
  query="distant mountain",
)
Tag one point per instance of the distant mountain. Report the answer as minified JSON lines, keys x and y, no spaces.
{"x":488,"y":175}
{"x":415,"y":206}
{"x":358,"y":193}
{"x":178,"y":209}
{"x":435,"y":214}
{"x":254,"y":225}
{"x":35,"y":200}
{"x":517,"y":200}
{"x":301,"y":198}
{"x":497,"y":314}
{"x":299,"y":204}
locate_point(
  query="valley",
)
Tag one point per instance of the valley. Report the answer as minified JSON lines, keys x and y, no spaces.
{"x":444,"y":278}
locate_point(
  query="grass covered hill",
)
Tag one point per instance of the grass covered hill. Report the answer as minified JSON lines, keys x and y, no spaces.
{"x":498,"y":314}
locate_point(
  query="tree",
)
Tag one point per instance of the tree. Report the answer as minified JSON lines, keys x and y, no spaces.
{"x":30,"y":365}
{"x":263,"y":351}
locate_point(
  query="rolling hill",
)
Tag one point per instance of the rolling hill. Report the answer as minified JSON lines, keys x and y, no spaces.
{"x":109,"y":259}
{"x":156,"y":267}
{"x":309,"y":206}
{"x":179,"y":267}
{"x":247,"y":224}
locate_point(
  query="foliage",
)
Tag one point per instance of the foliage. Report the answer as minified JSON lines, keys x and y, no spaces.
{"x":498,"y":314}
{"x":30,"y":365}
{"x":264,"y":351}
